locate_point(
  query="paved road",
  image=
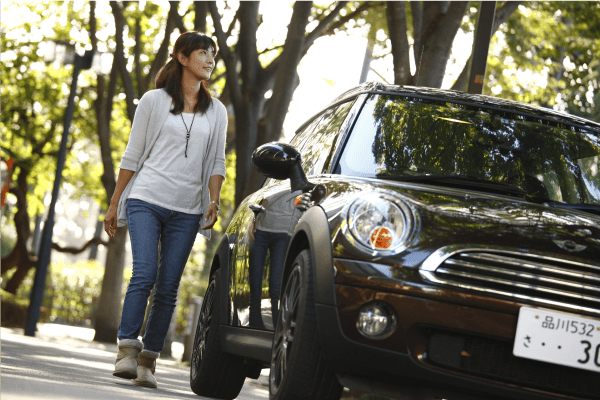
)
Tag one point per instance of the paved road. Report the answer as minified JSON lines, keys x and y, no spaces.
{"x":67,"y":367}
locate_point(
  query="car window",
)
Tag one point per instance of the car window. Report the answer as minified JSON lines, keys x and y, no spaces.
{"x":315,"y":142}
{"x":396,"y":136}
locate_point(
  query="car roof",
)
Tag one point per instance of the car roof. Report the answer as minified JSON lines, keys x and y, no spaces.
{"x":455,"y":96}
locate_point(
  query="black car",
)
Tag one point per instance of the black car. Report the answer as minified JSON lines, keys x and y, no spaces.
{"x":417,"y":243}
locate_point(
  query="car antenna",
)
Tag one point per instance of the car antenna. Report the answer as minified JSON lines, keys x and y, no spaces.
{"x":420,"y":60}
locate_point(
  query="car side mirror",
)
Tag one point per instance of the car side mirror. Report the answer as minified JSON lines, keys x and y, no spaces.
{"x":281,"y":161}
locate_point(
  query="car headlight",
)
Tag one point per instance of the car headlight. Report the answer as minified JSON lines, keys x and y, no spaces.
{"x":379,"y":223}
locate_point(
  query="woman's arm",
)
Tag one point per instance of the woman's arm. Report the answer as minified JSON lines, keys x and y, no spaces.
{"x":212,"y":212}
{"x":110,"y":219}
{"x":136,"y":143}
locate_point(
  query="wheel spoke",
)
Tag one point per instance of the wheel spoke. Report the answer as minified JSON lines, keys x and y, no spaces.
{"x":285,"y":329}
{"x":202,"y":329}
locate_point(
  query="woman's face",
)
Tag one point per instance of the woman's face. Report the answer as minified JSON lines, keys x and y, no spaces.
{"x":200,"y":63}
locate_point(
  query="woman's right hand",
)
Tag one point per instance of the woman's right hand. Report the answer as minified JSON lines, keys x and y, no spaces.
{"x":110,"y":221}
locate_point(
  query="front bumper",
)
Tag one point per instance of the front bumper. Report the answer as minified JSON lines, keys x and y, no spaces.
{"x":440,"y":350}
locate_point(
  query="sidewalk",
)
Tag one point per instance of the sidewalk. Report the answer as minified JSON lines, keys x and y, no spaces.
{"x":78,"y":337}
{"x":63,"y":362}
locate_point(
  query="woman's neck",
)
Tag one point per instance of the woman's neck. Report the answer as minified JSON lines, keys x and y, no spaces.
{"x":190,"y":86}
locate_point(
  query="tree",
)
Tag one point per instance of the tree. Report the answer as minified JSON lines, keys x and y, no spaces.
{"x":259,"y":120}
{"x":544,"y":53}
{"x":548,"y":54}
{"x":434,"y":27}
{"x":33,"y":104}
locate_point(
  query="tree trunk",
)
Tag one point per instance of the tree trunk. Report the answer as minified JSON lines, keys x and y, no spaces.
{"x":19,"y":257}
{"x":439,"y":44}
{"x":502,"y":14}
{"x":396,"y":19}
{"x":108,"y":314}
{"x":256,"y":124}
{"x":201,"y":11}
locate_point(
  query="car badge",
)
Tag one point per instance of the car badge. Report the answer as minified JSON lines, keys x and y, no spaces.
{"x":569,"y":245}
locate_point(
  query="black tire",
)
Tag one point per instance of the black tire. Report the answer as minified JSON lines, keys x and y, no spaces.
{"x":298,"y":370}
{"x":214,"y":373}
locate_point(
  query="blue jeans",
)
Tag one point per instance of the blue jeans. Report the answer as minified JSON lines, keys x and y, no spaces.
{"x":276,"y":244}
{"x":176,"y":231}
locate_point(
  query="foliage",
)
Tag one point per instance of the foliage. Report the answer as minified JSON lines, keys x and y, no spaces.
{"x":548,"y":54}
{"x":72,"y":292}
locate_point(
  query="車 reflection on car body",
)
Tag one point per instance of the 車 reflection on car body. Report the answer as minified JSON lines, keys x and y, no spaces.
{"x":432,"y":229}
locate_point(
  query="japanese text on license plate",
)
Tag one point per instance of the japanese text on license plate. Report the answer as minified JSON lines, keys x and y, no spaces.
{"x":558,"y":338}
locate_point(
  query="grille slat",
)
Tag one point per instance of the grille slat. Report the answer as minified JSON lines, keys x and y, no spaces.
{"x":528,"y":278}
{"x":521,"y":285}
{"x":542,"y":268}
{"x":523,"y":275}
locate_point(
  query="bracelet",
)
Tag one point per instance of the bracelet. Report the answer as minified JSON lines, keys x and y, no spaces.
{"x":217,"y":204}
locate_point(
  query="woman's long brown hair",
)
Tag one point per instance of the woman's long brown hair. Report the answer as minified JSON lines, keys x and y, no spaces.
{"x":170,"y":75}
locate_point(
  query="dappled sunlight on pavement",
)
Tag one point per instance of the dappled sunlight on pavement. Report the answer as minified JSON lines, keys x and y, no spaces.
{"x":63,"y":362}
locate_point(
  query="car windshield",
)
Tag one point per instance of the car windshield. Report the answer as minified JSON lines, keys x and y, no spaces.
{"x":446,"y":143}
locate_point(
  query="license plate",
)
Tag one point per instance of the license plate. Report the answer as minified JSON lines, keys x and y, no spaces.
{"x":558,"y":338}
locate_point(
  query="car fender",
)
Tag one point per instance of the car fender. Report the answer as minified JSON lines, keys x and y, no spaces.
{"x":221,"y":261}
{"x":312,"y":231}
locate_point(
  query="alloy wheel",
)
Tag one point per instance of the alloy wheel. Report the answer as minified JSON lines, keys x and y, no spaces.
{"x":202,"y":329}
{"x":286,"y":327}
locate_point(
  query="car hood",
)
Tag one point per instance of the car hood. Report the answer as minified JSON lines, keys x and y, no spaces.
{"x":450,"y":216}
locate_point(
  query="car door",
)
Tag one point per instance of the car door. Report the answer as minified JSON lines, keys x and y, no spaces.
{"x":262,"y":240}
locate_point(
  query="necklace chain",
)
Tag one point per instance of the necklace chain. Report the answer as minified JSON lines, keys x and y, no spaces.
{"x":187,"y":137}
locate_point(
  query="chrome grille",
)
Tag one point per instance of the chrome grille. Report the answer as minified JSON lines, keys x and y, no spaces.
{"x":524,"y":277}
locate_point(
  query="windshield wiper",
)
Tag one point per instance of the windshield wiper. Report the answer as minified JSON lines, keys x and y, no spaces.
{"x":460,"y":181}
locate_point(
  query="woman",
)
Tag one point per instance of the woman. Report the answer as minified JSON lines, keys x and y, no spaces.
{"x":168,"y":189}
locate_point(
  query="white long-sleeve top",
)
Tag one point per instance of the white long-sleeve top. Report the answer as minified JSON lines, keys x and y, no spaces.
{"x":168,"y":178}
{"x":151,"y":114}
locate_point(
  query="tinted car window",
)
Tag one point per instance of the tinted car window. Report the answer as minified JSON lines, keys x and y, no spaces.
{"x":407,"y":136}
{"x":315,"y":146}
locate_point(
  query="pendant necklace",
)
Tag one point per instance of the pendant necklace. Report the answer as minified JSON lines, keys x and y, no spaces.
{"x":187,"y":137}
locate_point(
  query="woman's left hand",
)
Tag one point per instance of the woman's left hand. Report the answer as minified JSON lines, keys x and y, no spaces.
{"x":212,"y":214}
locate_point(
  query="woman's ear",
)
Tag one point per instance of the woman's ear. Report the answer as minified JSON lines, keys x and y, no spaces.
{"x":182,"y":59}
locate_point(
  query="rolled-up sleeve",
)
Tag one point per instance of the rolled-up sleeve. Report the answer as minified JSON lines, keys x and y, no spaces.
{"x":137,"y":137}
{"x":219,"y":165}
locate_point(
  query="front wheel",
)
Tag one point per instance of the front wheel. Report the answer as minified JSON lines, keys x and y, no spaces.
{"x":214,"y":373}
{"x":298,"y":370}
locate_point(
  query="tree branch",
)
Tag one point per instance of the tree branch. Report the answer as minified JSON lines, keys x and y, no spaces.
{"x":318,"y":31}
{"x":228,"y":56}
{"x":75,"y":250}
{"x":178,"y":21}
{"x":137,"y":54}
{"x":270,"y":71}
{"x":120,"y":58}
{"x":354,"y":14}
{"x":163,"y":51}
